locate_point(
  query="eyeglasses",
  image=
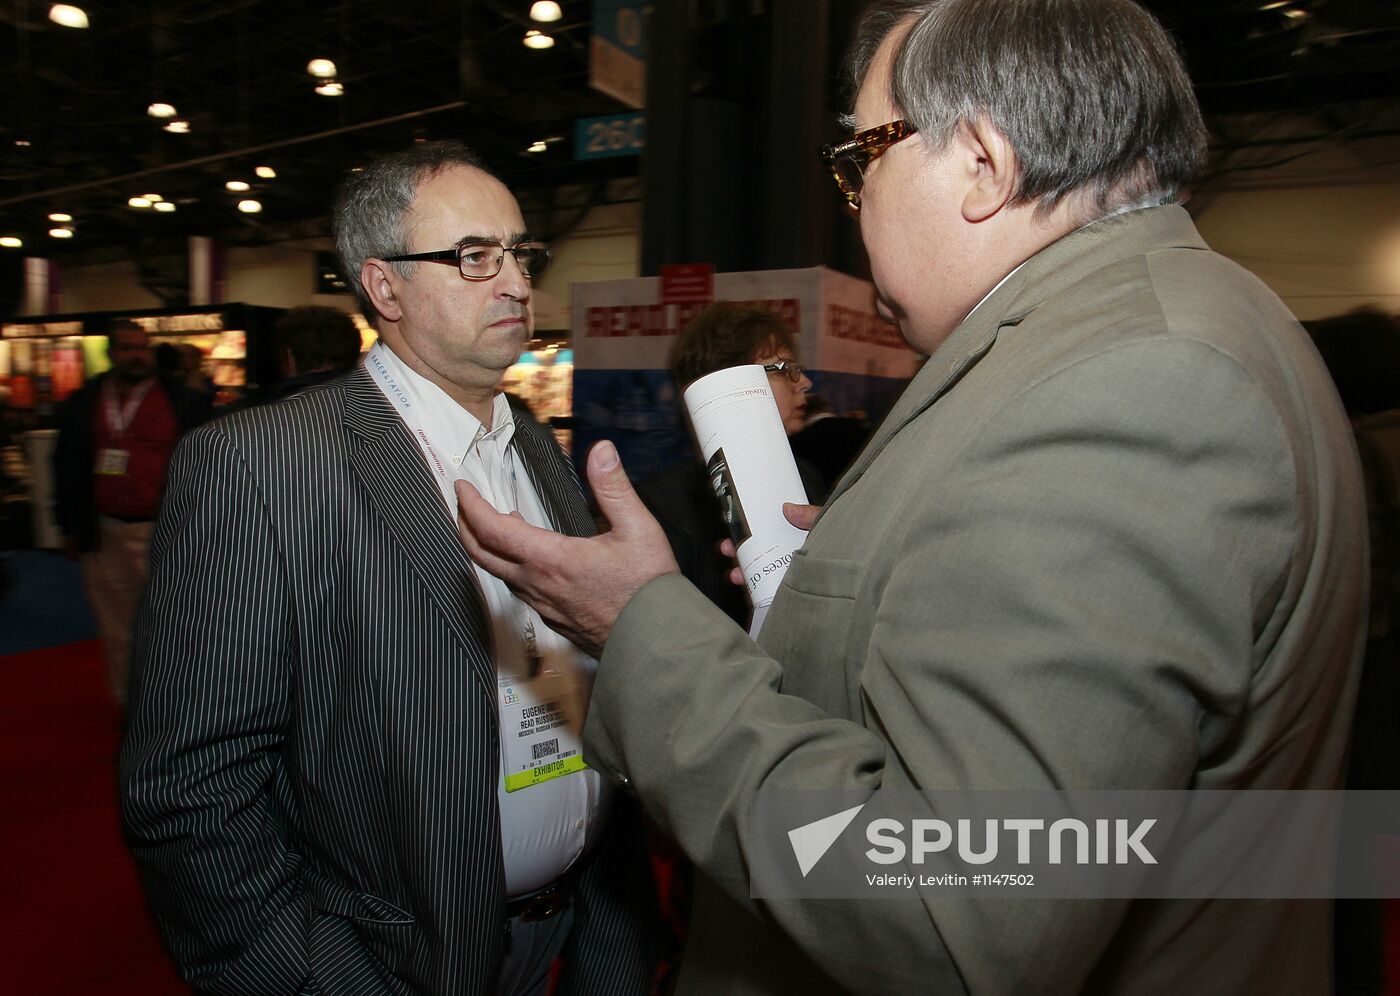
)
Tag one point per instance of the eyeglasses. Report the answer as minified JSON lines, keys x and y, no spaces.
{"x":483,"y":260}
{"x":790,"y":368}
{"x":849,"y":160}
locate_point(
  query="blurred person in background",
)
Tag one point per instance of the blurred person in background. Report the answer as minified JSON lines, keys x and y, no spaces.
{"x":116,"y":436}
{"x":681,"y":498}
{"x":314,"y":343}
{"x":827,"y":441}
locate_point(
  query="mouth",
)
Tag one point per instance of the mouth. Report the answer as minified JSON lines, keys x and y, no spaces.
{"x":510,"y":323}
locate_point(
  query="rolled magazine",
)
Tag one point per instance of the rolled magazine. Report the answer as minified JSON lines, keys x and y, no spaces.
{"x":752,"y":471}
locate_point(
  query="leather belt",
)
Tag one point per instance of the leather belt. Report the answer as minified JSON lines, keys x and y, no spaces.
{"x":542,"y":904}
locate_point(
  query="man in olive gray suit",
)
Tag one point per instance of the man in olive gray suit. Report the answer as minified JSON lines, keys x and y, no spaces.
{"x":1110,"y":537}
{"x":322,"y":778}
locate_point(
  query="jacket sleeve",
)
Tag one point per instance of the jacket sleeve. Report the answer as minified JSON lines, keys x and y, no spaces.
{"x":204,"y":792}
{"x":1033,"y":621}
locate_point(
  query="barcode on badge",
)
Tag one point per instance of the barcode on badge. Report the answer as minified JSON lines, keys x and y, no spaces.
{"x":545,"y":749}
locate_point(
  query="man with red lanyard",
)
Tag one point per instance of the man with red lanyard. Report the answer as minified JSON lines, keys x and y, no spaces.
{"x":115,"y":439}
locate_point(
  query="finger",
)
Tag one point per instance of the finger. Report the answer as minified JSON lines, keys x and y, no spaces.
{"x":616,"y":498}
{"x":736,"y":576}
{"x":486,"y":533}
{"x":726,"y":547}
{"x":801,"y":516}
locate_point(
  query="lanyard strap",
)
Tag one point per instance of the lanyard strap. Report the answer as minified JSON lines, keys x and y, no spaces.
{"x":119,"y":419}
{"x":399,"y":397}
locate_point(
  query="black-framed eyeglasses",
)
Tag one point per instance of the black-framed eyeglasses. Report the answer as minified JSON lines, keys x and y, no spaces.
{"x":849,"y":160}
{"x":483,"y":260}
{"x":788,"y":368}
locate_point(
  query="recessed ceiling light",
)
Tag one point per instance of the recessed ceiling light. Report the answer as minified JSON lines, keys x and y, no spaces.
{"x":321,"y":68}
{"x":538,"y":39}
{"x":179,"y":126}
{"x":138,"y":202}
{"x":266,"y":172}
{"x":545,"y":10}
{"x":11,"y":241}
{"x":160,"y":110}
{"x":165,"y":207}
{"x":1275,"y":5}
{"x":538,"y":147}
{"x":60,"y":216}
{"x":61,"y":233}
{"x":1293,"y":14}
{"x":153,"y":198}
{"x":250,"y":206}
{"x":22,"y":143}
{"x":68,"y":16}
{"x":330,"y":88}
{"x":238,"y":186}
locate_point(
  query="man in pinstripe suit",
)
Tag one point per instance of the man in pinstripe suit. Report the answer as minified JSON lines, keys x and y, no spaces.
{"x":352,"y":762}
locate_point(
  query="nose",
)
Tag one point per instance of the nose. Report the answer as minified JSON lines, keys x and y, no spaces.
{"x":511,"y":282}
{"x":804,"y":384}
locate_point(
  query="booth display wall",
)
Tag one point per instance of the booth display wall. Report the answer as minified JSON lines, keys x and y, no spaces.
{"x":622,"y":336}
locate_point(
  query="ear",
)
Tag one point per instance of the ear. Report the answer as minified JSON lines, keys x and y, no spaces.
{"x":376,"y":279}
{"x":991,"y":169}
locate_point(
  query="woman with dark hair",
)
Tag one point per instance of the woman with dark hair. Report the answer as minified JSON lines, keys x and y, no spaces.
{"x":723,"y":336}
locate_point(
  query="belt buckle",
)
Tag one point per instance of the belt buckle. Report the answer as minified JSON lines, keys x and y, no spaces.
{"x":543,"y":907}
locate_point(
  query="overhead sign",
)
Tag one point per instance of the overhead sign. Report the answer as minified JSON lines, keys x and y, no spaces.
{"x":688,"y":283}
{"x":617,"y":52}
{"x":610,"y":135}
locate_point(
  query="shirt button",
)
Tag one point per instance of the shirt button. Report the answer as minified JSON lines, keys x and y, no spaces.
{"x":578,"y":824}
{"x":456,"y":461}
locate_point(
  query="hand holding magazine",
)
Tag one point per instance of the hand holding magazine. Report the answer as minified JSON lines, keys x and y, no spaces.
{"x":746,"y":452}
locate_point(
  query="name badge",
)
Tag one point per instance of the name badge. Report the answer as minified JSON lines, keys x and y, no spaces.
{"x":541,"y":728}
{"x":111,"y":462}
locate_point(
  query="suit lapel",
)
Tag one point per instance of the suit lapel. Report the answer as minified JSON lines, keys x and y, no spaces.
{"x":553,"y":477}
{"x":391,"y":469}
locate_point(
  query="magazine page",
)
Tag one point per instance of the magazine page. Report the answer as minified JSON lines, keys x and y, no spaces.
{"x":752,"y":471}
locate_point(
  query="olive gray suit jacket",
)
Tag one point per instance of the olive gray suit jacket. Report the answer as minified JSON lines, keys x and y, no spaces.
{"x":1111,"y":536}
{"x":309,"y":775}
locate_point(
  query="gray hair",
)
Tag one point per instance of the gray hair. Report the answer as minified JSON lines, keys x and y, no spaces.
{"x":1091,"y":94}
{"x":370,"y":218}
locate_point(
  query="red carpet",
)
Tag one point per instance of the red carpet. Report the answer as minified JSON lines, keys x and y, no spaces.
{"x":72,"y":914}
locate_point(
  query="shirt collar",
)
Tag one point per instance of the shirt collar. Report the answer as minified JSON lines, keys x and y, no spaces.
{"x":451,"y":427}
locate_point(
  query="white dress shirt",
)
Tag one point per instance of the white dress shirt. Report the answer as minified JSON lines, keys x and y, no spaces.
{"x":544,"y":828}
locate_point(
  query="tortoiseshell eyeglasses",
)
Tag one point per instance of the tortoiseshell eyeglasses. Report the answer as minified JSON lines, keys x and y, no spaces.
{"x":848,"y":160}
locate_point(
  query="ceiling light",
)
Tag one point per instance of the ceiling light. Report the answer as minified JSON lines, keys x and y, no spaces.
{"x":545,"y":10}
{"x":250,"y":206}
{"x":331,"y":88}
{"x":538,"y":39}
{"x":1293,"y":14}
{"x":160,"y":110}
{"x":22,"y":143}
{"x":11,"y":241}
{"x":322,"y":69}
{"x":153,"y":198}
{"x":61,"y":233}
{"x":538,"y":147}
{"x":68,"y":16}
{"x":60,"y":216}
{"x":179,"y":126}
{"x":138,"y":202}
{"x":238,"y":186}
{"x":164,"y":207}
{"x":1275,"y":5}
{"x":266,"y":172}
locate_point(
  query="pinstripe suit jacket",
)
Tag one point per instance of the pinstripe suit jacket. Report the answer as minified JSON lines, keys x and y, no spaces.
{"x":310,"y":767}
